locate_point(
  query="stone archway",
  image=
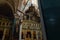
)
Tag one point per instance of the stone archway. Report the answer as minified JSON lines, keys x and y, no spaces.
{"x":6,"y":19}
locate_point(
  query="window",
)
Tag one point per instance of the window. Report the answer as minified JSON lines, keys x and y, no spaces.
{"x":0,"y":23}
{"x":1,"y":34}
{"x":22,"y":36}
{"x":3,"y":24}
{"x":31,"y":17}
{"x":39,"y":36}
{"x":27,"y":17}
{"x":34,"y":35}
{"x":7,"y":23}
{"x":28,"y":34}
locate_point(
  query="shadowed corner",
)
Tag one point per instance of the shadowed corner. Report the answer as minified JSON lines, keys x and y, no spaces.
{"x":6,"y":14}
